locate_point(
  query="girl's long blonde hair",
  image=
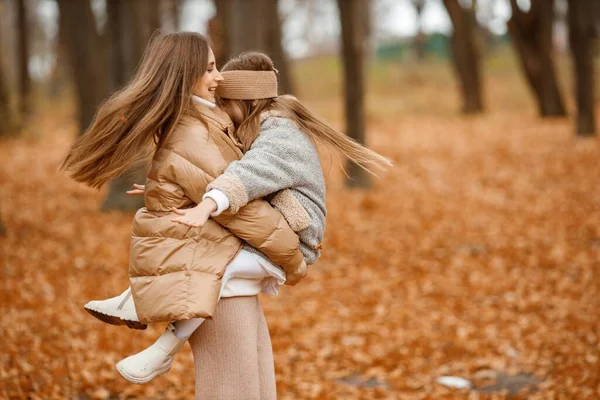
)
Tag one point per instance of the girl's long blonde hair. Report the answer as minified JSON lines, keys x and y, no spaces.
{"x":138,"y":118}
{"x":245,"y":115}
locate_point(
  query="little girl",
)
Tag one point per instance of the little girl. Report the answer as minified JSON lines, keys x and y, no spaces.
{"x":280,"y":164}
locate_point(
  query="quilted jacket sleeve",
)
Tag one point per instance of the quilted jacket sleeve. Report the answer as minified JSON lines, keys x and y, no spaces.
{"x":193,"y":161}
{"x":264,"y":228}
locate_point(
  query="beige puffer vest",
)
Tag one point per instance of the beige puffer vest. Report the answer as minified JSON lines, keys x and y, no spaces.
{"x":175,"y":271}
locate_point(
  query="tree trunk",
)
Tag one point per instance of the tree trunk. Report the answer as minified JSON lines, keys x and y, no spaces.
{"x":274,"y":47}
{"x":7,"y":117}
{"x":245,"y":29}
{"x":353,"y":55}
{"x":581,"y":39}
{"x":246,"y":23}
{"x":419,"y":39}
{"x":154,"y":16}
{"x":219,"y":32}
{"x":61,"y":71}
{"x":466,"y":55}
{"x":172,"y":10}
{"x":138,"y":33}
{"x":85,"y":54}
{"x":117,"y":197}
{"x":115,"y":30}
{"x":131,"y":23}
{"x":5,"y":112}
{"x":531,"y":34}
{"x":24,"y":77}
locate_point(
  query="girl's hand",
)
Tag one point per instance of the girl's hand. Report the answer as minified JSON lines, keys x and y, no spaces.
{"x":197,"y":216}
{"x":137,"y":190}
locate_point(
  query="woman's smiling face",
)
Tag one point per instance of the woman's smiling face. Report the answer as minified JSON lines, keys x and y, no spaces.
{"x":207,"y":84}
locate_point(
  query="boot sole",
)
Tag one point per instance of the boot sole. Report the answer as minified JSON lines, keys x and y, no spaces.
{"x":113,"y":320}
{"x":141,"y":381}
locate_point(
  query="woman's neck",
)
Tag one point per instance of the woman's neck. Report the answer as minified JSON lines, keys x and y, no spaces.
{"x":204,"y":102}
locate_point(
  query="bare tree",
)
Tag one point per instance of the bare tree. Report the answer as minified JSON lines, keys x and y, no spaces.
{"x":116,"y":43}
{"x":23,"y":38}
{"x":246,"y":21}
{"x":466,"y":55}
{"x":243,"y":25}
{"x":275,"y":48}
{"x":153,"y":7}
{"x":61,"y":71}
{"x":420,"y":39}
{"x":131,"y":23}
{"x":531,"y":33}
{"x":138,"y":31}
{"x":8,"y":113}
{"x":353,"y":55}
{"x":219,"y":32}
{"x":86,"y":55}
{"x":7,"y":116}
{"x":117,"y":197}
{"x":172,"y":14}
{"x":2,"y":228}
{"x":581,"y":17}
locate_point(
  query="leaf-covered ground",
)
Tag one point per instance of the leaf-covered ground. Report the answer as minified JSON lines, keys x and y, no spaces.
{"x":477,"y":256}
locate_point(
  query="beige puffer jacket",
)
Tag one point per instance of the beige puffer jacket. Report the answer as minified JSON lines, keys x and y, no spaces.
{"x":175,"y":271}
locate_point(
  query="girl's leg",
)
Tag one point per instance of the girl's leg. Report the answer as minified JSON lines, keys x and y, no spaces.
{"x":244,"y":265}
{"x":185,"y":328}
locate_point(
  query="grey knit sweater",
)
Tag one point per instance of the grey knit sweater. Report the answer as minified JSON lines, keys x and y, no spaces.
{"x":282,"y":166}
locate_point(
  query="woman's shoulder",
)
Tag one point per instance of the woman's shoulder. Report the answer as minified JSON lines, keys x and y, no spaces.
{"x":187,"y":129}
{"x":192,"y":141}
{"x":193,"y":126}
{"x":191,"y":138}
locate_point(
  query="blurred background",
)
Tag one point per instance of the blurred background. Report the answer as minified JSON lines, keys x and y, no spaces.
{"x":468,"y":271}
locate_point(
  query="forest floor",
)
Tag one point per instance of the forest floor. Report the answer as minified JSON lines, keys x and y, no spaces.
{"x":476,"y":256}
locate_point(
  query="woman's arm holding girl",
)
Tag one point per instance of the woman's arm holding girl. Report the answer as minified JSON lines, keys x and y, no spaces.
{"x":281,"y":157}
{"x":258,"y":224}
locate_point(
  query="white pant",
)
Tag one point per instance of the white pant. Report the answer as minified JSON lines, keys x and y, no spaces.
{"x":244,"y":265}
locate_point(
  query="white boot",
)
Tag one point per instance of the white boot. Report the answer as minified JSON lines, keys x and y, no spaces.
{"x":118,"y":310}
{"x":156,"y":360}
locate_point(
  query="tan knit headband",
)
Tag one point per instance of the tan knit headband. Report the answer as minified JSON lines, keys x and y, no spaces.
{"x":248,"y":85}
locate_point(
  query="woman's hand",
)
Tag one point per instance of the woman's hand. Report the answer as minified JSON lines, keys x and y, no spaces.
{"x":137,"y":190}
{"x":292,"y":278}
{"x":197,"y":216}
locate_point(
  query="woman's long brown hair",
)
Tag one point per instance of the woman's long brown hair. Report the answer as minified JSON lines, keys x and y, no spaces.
{"x":245,"y":115}
{"x":138,"y":118}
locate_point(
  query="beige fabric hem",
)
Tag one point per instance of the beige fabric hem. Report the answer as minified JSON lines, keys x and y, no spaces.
{"x":233,"y":188}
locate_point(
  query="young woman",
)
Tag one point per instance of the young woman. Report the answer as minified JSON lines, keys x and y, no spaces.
{"x":280,"y":163}
{"x":167,"y":111}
